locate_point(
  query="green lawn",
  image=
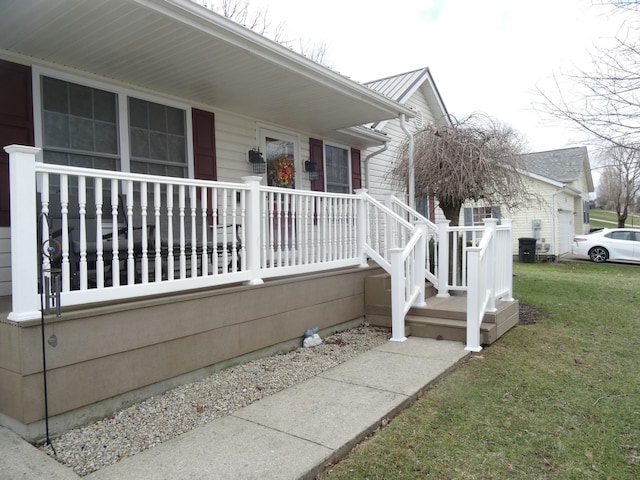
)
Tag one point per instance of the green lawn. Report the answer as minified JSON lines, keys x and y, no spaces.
{"x":607,"y":219}
{"x":558,"y":399}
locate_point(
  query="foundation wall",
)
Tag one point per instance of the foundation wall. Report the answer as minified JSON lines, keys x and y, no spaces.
{"x":113,"y":355}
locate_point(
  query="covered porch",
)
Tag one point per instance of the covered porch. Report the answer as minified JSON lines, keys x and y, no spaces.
{"x":130,"y":308}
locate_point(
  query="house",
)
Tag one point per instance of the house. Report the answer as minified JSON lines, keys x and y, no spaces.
{"x":562,"y":181}
{"x":417,"y":90}
{"x":187,"y":194}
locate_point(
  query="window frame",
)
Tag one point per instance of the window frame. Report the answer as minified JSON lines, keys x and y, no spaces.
{"x":347,"y":148}
{"x":476,"y":218}
{"x":122,"y":104}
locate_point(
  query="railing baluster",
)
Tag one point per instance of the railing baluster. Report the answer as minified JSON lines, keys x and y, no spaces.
{"x":157,"y":241}
{"x":223,"y":239}
{"x":214,"y":232}
{"x":170,"y":257}
{"x":82,"y":212}
{"x":131,"y":262}
{"x":205,"y":227}
{"x":144,"y":259}
{"x":194,"y":236}
{"x":97,"y":187}
{"x":64,"y":211}
{"x":115,"y":258}
{"x":181,"y":207}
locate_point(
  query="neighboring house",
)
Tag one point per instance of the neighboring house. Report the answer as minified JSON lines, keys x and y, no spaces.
{"x":562,"y":180}
{"x":417,"y":90}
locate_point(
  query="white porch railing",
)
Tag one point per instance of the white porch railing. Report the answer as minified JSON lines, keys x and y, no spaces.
{"x":112,"y":235}
{"x":488,"y":277}
{"x":400,"y":248}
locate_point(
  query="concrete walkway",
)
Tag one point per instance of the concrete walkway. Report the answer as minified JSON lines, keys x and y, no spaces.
{"x":290,"y":435}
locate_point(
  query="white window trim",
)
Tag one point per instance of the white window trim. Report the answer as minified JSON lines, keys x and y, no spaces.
{"x":324,"y":162}
{"x":265,"y":131}
{"x":122,"y":94}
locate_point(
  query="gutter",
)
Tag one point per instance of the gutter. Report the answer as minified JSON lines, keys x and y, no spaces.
{"x":412,"y":177}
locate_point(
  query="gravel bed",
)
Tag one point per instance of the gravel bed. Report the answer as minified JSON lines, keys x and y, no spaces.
{"x":163,"y":417}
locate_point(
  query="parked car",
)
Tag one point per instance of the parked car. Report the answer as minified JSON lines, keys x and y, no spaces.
{"x":609,"y":244}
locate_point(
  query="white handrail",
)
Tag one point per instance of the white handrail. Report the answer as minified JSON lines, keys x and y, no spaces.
{"x":402,"y":254}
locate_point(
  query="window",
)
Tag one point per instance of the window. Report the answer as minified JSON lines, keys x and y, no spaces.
{"x":157,"y":139}
{"x":480,"y":213}
{"x":476,"y":215}
{"x":81,"y":126}
{"x":621,"y":235}
{"x":337,"y":173}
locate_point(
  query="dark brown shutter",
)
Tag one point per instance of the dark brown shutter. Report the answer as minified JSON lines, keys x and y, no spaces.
{"x":316,"y":155}
{"x":356,"y":169}
{"x":204,"y":145}
{"x":204,"y":150}
{"x":16,"y":122}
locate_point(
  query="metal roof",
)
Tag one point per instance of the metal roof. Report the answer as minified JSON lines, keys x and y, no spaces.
{"x":401,"y":87}
{"x":181,"y":49}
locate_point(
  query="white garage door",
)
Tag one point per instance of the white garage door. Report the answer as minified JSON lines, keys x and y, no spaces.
{"x":565,"y":232}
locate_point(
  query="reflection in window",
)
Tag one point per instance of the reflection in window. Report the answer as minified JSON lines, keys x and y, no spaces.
{"x":157,"y":138}
{"x":280,"y":163}
{"x":80,"y":125}
{"x":337,"y":169}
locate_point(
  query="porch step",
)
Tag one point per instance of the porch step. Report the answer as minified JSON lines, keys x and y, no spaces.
{"x":447,"y":329}
{"x":442,"y":318}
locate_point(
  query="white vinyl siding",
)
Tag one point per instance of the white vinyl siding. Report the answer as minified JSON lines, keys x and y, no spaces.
{"x":380,"y":165}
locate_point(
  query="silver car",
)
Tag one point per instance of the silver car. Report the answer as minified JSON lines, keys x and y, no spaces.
{"x":609,"y":244}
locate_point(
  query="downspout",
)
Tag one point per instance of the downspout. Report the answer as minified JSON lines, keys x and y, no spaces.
{"x":367,"y":178}
{"x":412,"y":177}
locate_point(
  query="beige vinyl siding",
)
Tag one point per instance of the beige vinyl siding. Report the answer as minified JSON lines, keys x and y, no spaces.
{"x":552,"y":201}
{"x":559,"y":211}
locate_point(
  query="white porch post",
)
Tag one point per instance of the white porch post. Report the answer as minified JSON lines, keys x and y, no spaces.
{"x":361,"y":226}
{"x":25,"y":304}
{"x":508,"y":269}
{"x":443,"y":258}
{"x":474,"y":299}
{"x":397,"y":295}
{"x":420,"y":264}
{"x":490,"y":225}
{"x":252,"y":229}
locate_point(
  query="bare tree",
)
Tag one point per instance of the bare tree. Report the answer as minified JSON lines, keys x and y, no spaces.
{"x":476,"y":158}
{"x":619,"y":185}
{"x":258,"y":20}
{"x":603,"y":99}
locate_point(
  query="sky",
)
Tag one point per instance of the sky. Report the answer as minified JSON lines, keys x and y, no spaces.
{"x":485,"y":56}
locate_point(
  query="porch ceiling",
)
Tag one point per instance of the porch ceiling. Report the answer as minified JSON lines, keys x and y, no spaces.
{"x":179,"y":48}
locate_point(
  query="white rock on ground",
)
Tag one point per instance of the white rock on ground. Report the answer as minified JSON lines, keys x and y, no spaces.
{"x":160,"y":418}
